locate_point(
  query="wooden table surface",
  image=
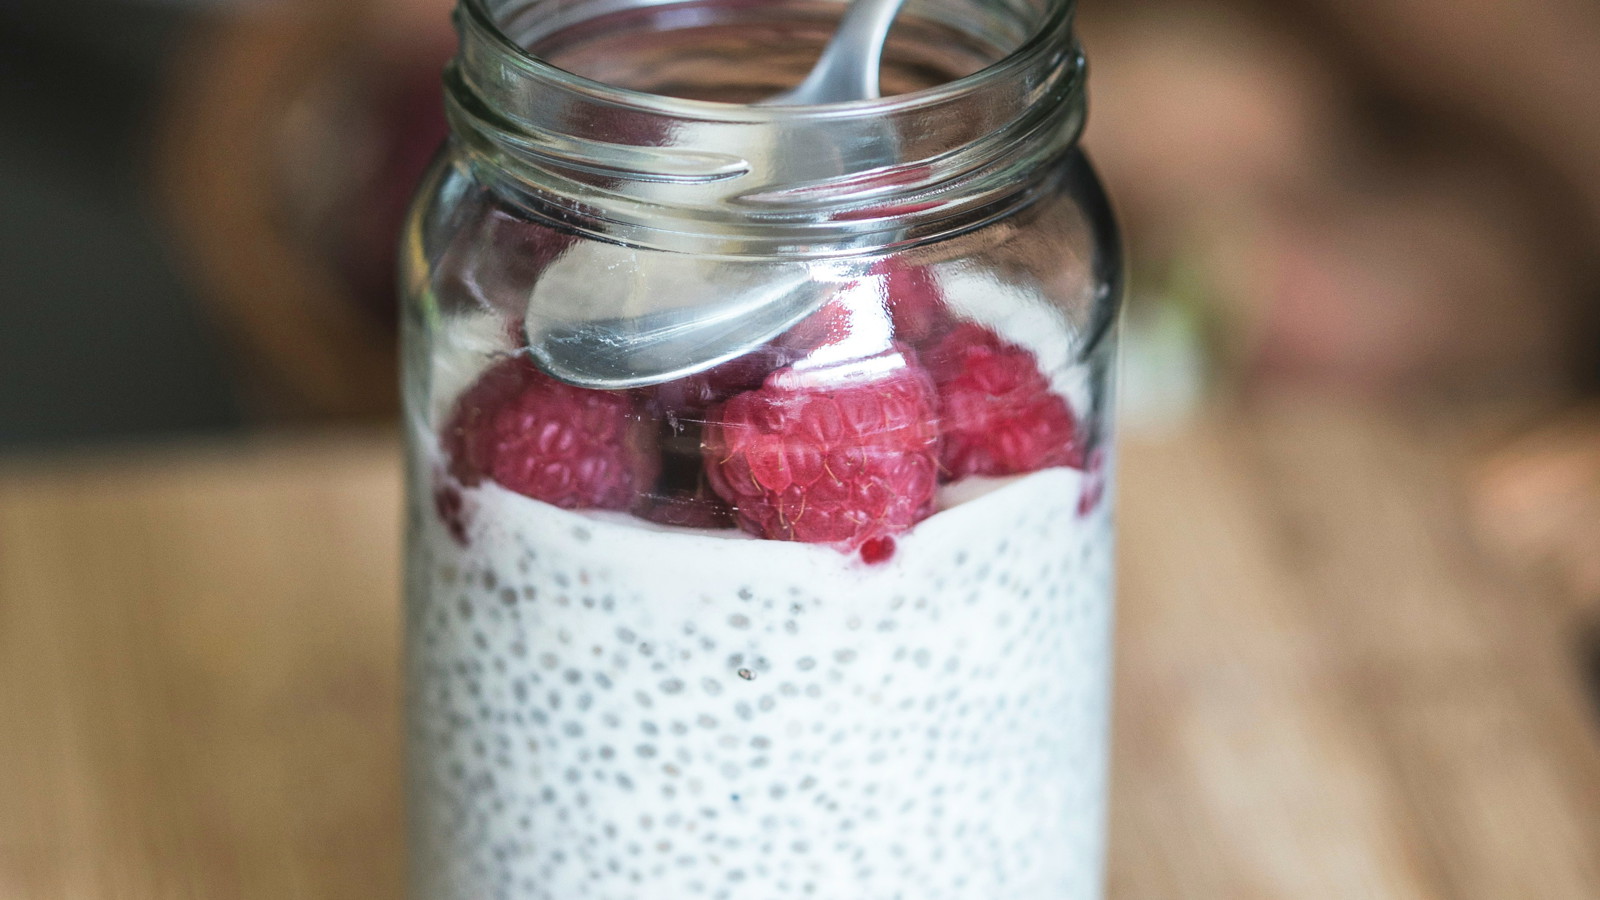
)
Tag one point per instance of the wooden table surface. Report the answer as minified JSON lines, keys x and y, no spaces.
{"x":1323,"y":692}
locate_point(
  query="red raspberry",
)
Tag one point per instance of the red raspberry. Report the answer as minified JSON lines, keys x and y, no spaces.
{"x":826,"y":327}
{"x":568,"y":446}
{"x":915,"y":300}
{"x":1000,"y":416}
{"x":854,"y":316}
{"x":911,"y":296}
{"x":847,"y":463}
{"x":682,"y":496}
{"x":690,"y":396}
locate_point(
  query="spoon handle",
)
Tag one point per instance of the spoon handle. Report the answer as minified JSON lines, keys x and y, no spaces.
{"x":848,"y":69}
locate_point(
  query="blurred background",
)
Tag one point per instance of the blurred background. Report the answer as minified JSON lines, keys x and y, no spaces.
{"x":1394,"y":202}
{"x":1361,"y":497}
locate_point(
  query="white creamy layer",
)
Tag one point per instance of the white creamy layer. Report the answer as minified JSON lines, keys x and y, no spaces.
{"x":606,"y":708}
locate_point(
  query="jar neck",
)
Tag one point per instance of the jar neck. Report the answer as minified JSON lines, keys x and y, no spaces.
{"x":708,"y":176}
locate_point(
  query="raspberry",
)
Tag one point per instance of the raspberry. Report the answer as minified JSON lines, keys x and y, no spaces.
{"x":568,"y":446}
{"x":915,"y":300}
{"x":827,"y":327}
{"x":847,"y":463}
{"x":682,"y":496}
{"x":1000,"y":416}
{"x":909,"y":294}
{"x":691,"y":395}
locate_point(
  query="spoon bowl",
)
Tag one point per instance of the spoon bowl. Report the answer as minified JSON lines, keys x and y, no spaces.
{"x":611,"y":317}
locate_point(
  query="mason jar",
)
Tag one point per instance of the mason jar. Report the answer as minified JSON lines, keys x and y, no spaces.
{"x":759,"y":537}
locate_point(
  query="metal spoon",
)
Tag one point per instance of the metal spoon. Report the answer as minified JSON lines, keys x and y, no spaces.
{"x":612,"y":317}
{"x":849,"y":67}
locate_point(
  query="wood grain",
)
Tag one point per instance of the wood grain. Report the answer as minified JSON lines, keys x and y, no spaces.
{"x":197,"y":656}
{"x":1323,"y":691}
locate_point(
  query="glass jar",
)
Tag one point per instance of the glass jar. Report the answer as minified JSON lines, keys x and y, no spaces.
{"x":825,"y":613}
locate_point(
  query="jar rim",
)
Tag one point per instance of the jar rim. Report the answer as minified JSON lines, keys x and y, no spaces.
{"x":1032,"y":50}
{"x":651,"y":169}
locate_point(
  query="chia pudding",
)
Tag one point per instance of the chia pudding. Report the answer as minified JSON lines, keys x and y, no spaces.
{"x":606,"y":702}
